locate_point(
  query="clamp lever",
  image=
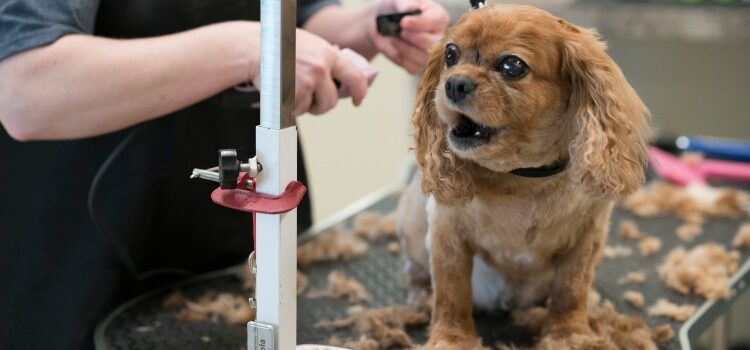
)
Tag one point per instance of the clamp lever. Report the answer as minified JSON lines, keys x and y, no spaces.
{"x":228,"y":171}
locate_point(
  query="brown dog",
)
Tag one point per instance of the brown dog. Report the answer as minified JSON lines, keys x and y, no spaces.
{"x":525,"y":132}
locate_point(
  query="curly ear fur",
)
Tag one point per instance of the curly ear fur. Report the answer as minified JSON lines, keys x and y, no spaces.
{"x":609,"y":153}
{"x":441,"y":169}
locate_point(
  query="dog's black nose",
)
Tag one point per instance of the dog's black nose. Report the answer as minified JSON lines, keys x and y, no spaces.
{"x":458,"y":86}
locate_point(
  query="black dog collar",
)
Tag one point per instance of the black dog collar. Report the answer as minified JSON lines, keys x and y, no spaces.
{"x":542,"y":171}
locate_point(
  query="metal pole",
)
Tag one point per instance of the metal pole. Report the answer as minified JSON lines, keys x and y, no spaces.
{"x":276,"y":148}
{"x":277,"y":39}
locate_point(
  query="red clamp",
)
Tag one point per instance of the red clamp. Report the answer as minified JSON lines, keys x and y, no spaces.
{"x":248,"y":200}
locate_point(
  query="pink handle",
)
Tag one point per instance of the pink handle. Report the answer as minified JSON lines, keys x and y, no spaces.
{"x":725,"y":169}
{"x":670,"y":168}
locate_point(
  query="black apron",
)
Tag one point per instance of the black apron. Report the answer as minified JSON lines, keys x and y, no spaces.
{"x":85,"y":224}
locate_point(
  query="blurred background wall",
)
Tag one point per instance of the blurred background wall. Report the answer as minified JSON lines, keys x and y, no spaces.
{"x":350,"y":151}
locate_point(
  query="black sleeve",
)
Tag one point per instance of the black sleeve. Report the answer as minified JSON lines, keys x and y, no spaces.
{"x":27,"y":24}
{"x":307,"y":8}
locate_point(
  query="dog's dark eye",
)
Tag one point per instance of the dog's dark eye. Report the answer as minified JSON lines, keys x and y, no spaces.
{"x":512,"y":67}
{"x":452,"y":54}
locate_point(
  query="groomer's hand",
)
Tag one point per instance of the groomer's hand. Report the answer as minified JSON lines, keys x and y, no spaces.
{"x":418,"y":33}
{"x":318,"y":63}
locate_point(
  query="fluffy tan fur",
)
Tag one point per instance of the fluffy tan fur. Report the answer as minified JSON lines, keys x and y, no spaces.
{"x":662,"y":333}
{"x":610,"y":329}
{"x":363,"y":343}
{"x":616,"y":251}
{"x":704,"y":270}
{"x":373,"y":225}
{"x":545,"y":236}
{"x":649,"y":245}
{"x":629,"y":230}
{"x":336,"y":244}
{"x":234,"y":309}
{"x":384,"y":327}
{"x":665,"y":308}
{"x":634,"y":298}
{"x":742,"y":238}
{"x":339,"y":285}
{"x":633,"y":277}
{"x":174,"y":300}
{"x":660,"y":198}
{"x":688,"y":231}
{"x":302,"y":282}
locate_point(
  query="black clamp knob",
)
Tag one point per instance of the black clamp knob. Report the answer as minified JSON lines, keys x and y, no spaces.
{"x":229,"y":168}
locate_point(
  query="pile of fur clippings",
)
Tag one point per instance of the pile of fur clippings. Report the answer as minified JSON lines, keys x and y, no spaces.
{"x":742,"y":238}
{"x":704,"y":270}
{"x":174,"y":300}
{"x":630,"y":230}
{"x":634,"y":298}
{"x":611,"y":330}
{"x":336,"y":244}
{"x":394,"y":247}
{"x":665,"y":308}
{"x":339,"y":285}
{"x":373,"y":225}
{"x":617,"y":251}
{"x":233,"y":309}
{"x":302,"y":282}
{"x":662,"y":333}
{"x":363,"y":343}
{"x":691,"y":203}
{"x":688,"y":231}
{"x":633,"y":277}
{"x":382,"y":328}
{"x":647,"y":244}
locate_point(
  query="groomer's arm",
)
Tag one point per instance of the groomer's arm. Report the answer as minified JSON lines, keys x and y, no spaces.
{"x":356,"y":29}
{"x":83,"y":85}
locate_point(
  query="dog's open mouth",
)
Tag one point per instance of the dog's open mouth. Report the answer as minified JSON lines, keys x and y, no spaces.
{"x":469,"y":134}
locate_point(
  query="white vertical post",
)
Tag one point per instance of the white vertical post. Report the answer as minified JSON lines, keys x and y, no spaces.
{"x":276,"y":147}
{"x":276,"y":256}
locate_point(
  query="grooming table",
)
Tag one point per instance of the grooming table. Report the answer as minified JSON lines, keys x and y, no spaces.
{"x":143,"y":323}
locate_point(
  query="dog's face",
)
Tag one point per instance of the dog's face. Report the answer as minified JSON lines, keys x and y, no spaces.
{"x":515,"y":87}
{"x":500,"y":93}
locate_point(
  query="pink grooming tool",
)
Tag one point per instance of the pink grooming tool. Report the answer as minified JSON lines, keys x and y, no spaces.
{"x":724,"y":169}
{"x":362,"y":64}
{"x":669,"y":167}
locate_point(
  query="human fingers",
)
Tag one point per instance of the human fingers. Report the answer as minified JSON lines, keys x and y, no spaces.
{"x":302,"y":100}
{"x":325,"y":96}
{"x":414,"y":58}
{"x":350,"y":76}
{"x":434,"y":18}
{"x":423,"y":40}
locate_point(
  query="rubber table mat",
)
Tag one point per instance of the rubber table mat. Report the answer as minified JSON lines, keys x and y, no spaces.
{"x":143,"y":323}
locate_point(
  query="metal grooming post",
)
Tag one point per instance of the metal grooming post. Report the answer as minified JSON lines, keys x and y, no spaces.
{"x":276,"y":147}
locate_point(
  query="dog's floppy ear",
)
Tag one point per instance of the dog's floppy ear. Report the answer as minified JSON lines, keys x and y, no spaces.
{"x":609,"y":153}
{"x":441,"y":169}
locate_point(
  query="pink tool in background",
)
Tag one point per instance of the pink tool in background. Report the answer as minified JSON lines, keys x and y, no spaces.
{"x":671,"y":168}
